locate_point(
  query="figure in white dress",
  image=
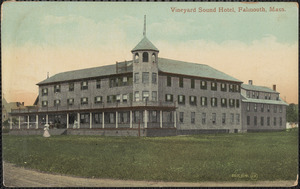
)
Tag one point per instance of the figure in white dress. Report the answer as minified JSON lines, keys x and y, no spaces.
{"x":46,"y":131}
{"x":75,"y":126}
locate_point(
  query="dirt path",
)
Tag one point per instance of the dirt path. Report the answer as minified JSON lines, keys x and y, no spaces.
{"x":21,"y":177}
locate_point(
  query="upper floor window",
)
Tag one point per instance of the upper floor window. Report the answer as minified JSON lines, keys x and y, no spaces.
{"x":268,"y":108}
{"x":237,"y":103}
{"x":257,"y":94}
{"x":262,"y":107}
{"x":84,"y":85}
{"x":45,"y":92}
{"x":275,"y":109}
{"x":248,"y":106}
{"x":169,"y":81}
{"x":193,"y":100}
{"x":203,"y":85}
{"x":154,"y":95}
{"x":253,"y":94}
{"x":154,"y":78}
{"x":153,"y":57}
{"x":71,"y":86}
{"x":125,"y":81}
{"x":169,"y":98}
{"x":118,"y":98}
{"x":223,"y":102}
{"x":214,"y":102}
{"x":145,"y":95}
{"x":56,"y":102}
{"x":111,"y":98}
{"x":124,"y":97}
{"x":231,"y":102}
{"x":248,"y":94}
{"x":203,"y":101}
{"x":98,"y":83}
{"x":136,"y":96}
{"x":192,"y":83}
{"x":98,"y":99}
{"x":181,"y":99}
{"x":56,"y":88}
{"x":145,"y":57}
{"x":237,"y":88}
{"x":269,"y":96}
{"x":213,"y":86}
{"x":255,"y":107}
{"x":223,"y":87}
{"x":136,"y":78}
{"x":231,"y":88}
{"x":181,"y":82}
{"x":280,"y":109}
{"x":44,"y":103}
{"x":70,"y":101}
{"x":145,"y":77}
{"x":84,"y":100}
{"x":136,"y":58}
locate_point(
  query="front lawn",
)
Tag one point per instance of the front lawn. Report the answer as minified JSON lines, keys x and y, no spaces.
{"x":207,"y":157}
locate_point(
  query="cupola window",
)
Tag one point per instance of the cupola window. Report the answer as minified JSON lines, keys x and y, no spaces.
{"x":145,"y":57}
{"x":153,"y":57}
{"x":136,"y":58}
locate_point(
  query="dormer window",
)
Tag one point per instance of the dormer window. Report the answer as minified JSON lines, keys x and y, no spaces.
{"x":145,"y":57}
{"x":136,"y":58}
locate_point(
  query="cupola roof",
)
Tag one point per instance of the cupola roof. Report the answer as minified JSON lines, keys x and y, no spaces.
{"x":144,"y":44}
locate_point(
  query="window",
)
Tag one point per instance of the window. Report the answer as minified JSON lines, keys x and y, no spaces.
{"x":123,"y":117}
{"x":231,"y":103}
{"x":154,"y":96}
{"x":70,"y":101}
{"x":145,"y":57}
{"x":84,"y":85}
{"x":125,"y":81}
{"x":84,"y":118}
{"x":153,"y":116}
{"x":266,"y":96}
{"x":214,"y":118}
{"x":280,"y":121}
{"x":223,"y":102}
{"x":169,"y":81}
{"x":181,"y":99}
{"x":136,"y":96}
{"x":203,"y":85}
{"x":253,"y":94}
{"x":192,"y":117}
{"x":118,"y":98}
{"x":255,"y":121}
{"x":136,"y":78}
{"x":84,"y":100}
{"x":248,"y":120}
{"x":203,"y":101}
{"x":169,"y":98}
{"x":153,"y":57}
{"x":145,"y":95}
{"x":56,"y":102}
{"x":248,"y":94}
{"x":230,"y":87}
{"x":136,"y":116}
{"x":213,"y":86}
{"x":136,"y":58}
{"x":111,"y":98}
{"x":268,"y":108}
{"x":71,"y":86}
{"x":98,"y":84}
{"x":223,"y":118}
{"x":255,"y":107}
{"x":237,"y":88}
{"x":44,"y":103}
{"x":154,"y":78}
{"x":193,"y":100}
{"x":97,"y":118}
{"x":181,"y":82}
{"x":203,"y":118}
{"x":262,"y":121}
{"x":280,"y":109}
{"x":275,"y":109}
{"x":237,"y":103}
{"x":145,"y":77}
{"x":45,"y":92}
{"x":56,"y":88}
{"x":274,"y":121}
{"x":269,"y":96}
{"x":181,"y":117}
{"x":268,"y":121}
{"x":124,"y":97}
{"x":248,"y":107}
{"x":231,"y":118}
{"x":262,"y":107}
{"x":237,"y":119}
{"x":223,"y":87}
{"x":257,"y":94}
{"x":98,"y":99}
{"x":214,"y":102}
{"x":192,"y":83}
{"x":111,"y":82}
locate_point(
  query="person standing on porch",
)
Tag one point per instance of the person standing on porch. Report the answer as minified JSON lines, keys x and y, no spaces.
{"x":46,"y":131}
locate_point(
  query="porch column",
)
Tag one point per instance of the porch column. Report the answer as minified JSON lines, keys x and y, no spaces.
{"x":102,"y":120}
{"x":67,"y":120}
{"x":10,"y":122}
{"x":37,"y":121}
{"x":160,"y":118}
{"x":78,"y":120}
{"x":19,"y":122}
{"x":46,"y":118}
{"x":145,"y":119}
{"x":130,"y":118}
{"x":116,"y":119}
{"x":27,"y":122}
{"x":175,"y":123}
{"x":90,"y":120}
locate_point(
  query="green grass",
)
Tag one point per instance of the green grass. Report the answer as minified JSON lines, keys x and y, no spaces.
{"x":209,"y":157}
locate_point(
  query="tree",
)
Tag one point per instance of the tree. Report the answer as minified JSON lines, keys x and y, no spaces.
{"x":292,"y":113}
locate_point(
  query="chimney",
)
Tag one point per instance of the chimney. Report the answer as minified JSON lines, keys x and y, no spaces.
{"x":250,"y":82}
{"x":47,"y":75}
{"x":274,"y":87}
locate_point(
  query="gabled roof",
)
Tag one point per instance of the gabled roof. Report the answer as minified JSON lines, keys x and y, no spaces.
{"x":144,"y":44}
{"x":258,"y":88}
{"x":263,"y":101}
{"x":192,"y":69}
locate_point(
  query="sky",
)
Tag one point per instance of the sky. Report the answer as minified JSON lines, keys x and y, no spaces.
{"x":41,"y":37}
